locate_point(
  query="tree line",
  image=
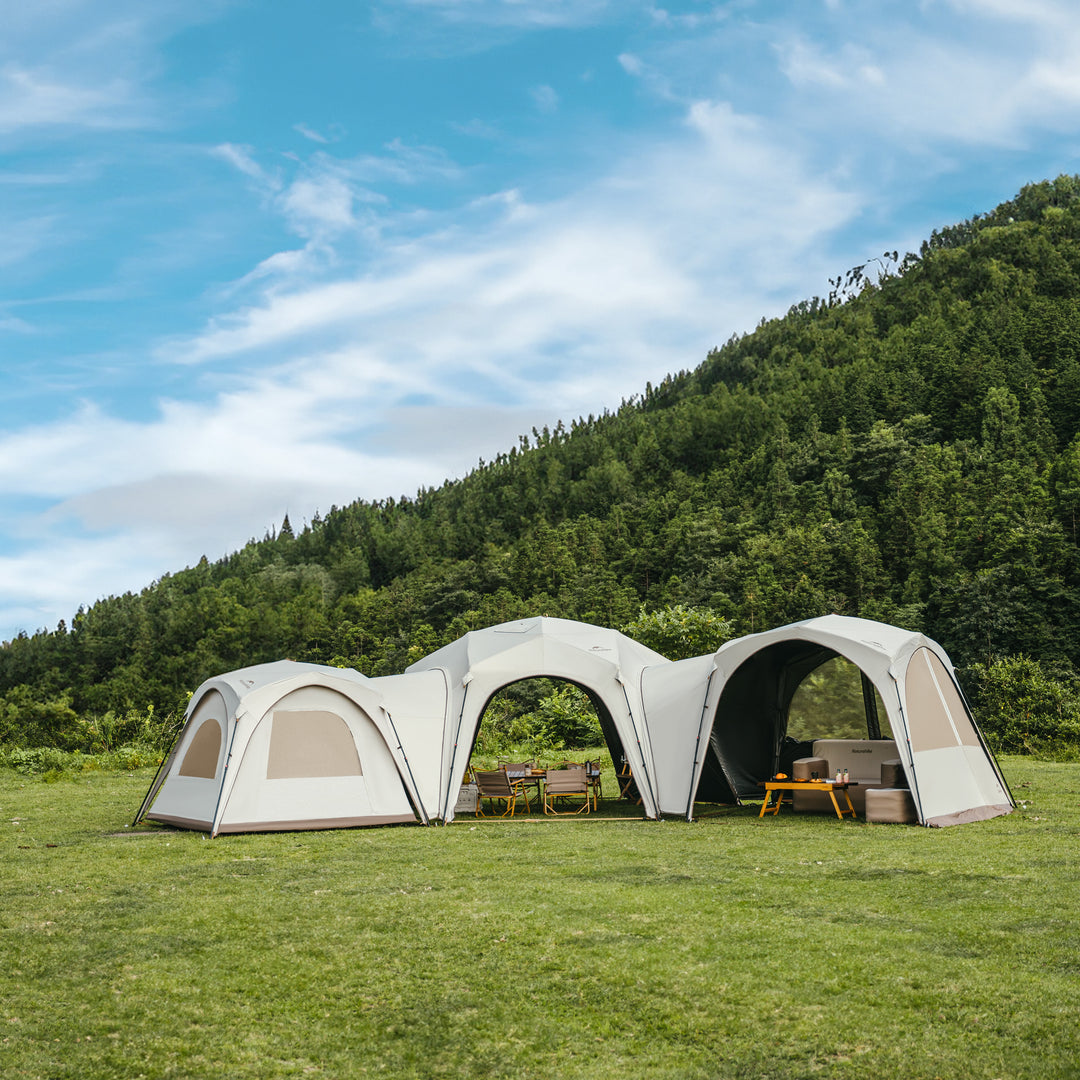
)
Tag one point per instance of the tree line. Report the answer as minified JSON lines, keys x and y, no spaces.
{"x":905,"y":449}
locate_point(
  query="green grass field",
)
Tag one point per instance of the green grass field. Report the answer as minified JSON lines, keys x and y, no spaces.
{"x":731,"y":947}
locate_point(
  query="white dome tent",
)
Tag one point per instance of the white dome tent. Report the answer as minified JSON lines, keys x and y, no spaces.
{"x":289,"y":746}
{"x":745,"y":690}
{"x":607,"y":665}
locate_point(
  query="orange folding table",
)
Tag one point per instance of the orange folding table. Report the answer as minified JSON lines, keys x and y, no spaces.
{"x":831,"y":786}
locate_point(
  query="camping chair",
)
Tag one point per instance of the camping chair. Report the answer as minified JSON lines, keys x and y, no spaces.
{"x":495,"y":785}
{"x":564,"y":784}
{"x":592,"y":771}
{"x":586,"y":765}
{"x":519,"y":774}
{"x":627,"y":787}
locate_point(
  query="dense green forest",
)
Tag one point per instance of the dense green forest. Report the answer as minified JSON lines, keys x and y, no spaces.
{"x":905,"y":449}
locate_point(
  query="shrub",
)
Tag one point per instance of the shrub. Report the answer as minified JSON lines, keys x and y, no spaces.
{"x":536,"y":716}
{"x":26,"y":720}
{"x":1022,"y":708}
{"x":51,"y":763}
{"x":133,"y":727}
{"x":679,"y":632}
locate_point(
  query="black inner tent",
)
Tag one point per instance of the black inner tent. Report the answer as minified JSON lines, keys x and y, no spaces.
{"x":747,"y":741}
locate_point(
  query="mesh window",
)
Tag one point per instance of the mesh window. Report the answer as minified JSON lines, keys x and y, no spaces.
{"x":306,"y":744}
{"x":202,"y":755}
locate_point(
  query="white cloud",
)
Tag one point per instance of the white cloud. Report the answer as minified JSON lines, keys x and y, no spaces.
{"x":1012,"y":71}
{"x":477,"y":129}
{"x":804,"y":63}
{"x":319,"y":205}
{"x":85,"y":64}
{"x":1043,"y":13}
{"x":33,"y":98}
{"x":527,"y":14}
{"x":310,"y":133}
{"x":693,"y":21}
{"x":545,"y":98}
{"x":526,"y":305}
{"x":455,"y":343}
{"x":242,"y":159}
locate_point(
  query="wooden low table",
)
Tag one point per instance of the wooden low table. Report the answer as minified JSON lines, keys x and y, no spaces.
{"x":831,"y":786}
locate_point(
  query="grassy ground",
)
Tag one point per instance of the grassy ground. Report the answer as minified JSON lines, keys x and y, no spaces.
{"x":791,"y":947}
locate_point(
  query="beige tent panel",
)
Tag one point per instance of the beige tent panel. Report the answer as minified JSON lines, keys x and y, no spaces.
{"x":937,"y":717}
{"x":202,"y":755}
{"x":306,"y":744}
{"x":957,"y":784}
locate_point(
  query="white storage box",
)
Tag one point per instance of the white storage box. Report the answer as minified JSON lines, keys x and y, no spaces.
{"x":466,"y":800}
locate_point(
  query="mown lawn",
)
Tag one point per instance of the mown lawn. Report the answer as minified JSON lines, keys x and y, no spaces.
{"x":732,"y":947}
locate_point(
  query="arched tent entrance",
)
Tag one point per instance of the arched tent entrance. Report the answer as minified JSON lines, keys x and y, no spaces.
{"x":952,"y":774}
{"x":605,"y":664}
{"x":286,"y":746}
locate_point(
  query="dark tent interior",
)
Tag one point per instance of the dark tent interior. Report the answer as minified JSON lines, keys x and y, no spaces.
{"x":748,"y":742}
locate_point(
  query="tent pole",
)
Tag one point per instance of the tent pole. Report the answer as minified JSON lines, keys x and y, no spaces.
{"x":641,"y":752}
{"x":983,"y":743}
{"x":453,"y":755}
{"x":697,"y":748}
{"x":408,"y":768}
{"x":159,"y":776}
{"x":910,"y":753}
{"x":873,"y":721}
{"x":224,"y":776}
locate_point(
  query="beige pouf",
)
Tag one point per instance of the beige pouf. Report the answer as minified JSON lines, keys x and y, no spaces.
{"x":890,"y":805}
{"x":801,"y":768}
{"x":892,"y":774}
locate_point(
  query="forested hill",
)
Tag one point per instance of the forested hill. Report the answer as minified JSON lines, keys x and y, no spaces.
{"x":905,"y":449}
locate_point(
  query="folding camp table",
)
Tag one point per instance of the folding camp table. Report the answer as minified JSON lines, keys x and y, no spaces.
{"x":831,"y":786}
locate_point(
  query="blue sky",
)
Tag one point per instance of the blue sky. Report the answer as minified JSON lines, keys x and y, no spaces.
{"x":265,"y":258}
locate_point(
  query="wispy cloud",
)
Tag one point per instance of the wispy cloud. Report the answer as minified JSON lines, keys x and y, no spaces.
{"x":310,"y":133}
{"x":31,"y":98}
{"x":545,"y":98}
{"x":529,"y":14}
{"x":376,"y":312}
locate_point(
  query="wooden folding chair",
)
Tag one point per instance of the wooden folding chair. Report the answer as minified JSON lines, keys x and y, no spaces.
{"x":627,"y":788}
{"x":592,"y":771}
{"x":563,"y":785}
{"x":495,"y":786}
{"x":519,"y":773}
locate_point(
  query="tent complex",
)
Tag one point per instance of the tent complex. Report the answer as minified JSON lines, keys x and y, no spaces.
{"x":293,"y":746}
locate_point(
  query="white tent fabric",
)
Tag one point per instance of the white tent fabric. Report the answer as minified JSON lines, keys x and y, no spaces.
{"x":674,"y":697}
{"x":606,"y":664}
{"x":418,"y":705}
{"x":951,"y":772}
{"x":292,"y":746}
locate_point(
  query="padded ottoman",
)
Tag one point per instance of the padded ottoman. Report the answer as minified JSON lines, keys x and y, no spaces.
{"x":890,"y":804}
{"x":892,"y":774}
{"x":802,"y":768}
